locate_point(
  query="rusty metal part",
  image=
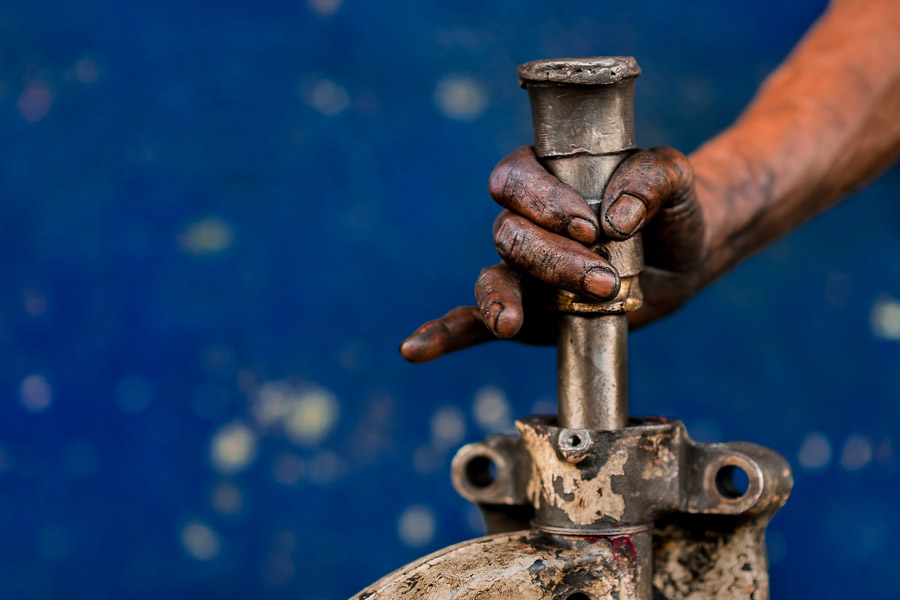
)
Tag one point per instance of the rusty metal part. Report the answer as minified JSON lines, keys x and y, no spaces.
{"x":583,"y":118}
{"x":633,"y":514}
{"x":628,"y":299}
{"x":648,"y":482}
{"x":598,"y":482}
{"x":527,"y":565}
{"x":582,"y":105}
{"x":592,"y":505}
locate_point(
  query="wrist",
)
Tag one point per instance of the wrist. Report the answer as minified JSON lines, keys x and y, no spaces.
{"x":732,"y":191}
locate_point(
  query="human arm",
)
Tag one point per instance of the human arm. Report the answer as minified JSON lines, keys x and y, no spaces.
{"x":825,"y":123}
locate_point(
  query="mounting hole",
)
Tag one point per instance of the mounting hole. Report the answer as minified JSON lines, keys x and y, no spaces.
{"x":481,"y":472}
{"x":574,"y":441}
{"x":732,"y":482}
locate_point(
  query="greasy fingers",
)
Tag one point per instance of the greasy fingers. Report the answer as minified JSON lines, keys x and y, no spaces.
{"x":555,"y":260}
{"x":520,"y":184}
{"x":460,"y":328}
{"x":498,"y":293}
{"x":641,"y":186}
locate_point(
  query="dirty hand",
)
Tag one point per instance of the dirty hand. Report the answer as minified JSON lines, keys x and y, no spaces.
{"x":543,"y":234}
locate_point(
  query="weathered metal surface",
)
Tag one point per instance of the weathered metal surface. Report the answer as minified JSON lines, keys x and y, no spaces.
{"x":629,"y":298}
{"x":581,"y":106}
{"x":693,"y":558}
{"x":700,"y":558}
{"x":647,"y":480}
{"x":595,"y":482}
{"x":583,"y":117}
{"x":524,"y":565}
{"x":618,"y":509}
{"x":592,"y":354}
{"x":494,"y":471}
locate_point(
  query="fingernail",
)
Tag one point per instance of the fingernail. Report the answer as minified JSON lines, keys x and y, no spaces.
{"x":626,"y":213}
{"x":600,"y":282}
{"x":494,"y":312}
{"x":416,"y":350}
{"x":407,"y":347}
{"x":582,"y":230}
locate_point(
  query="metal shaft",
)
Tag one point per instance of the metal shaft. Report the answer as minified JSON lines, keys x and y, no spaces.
{"x":592,"y":371}
{"x":582,"y":113}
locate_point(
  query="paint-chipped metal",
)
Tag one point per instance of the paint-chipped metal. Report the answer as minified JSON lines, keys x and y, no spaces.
{"x":592,"y":505}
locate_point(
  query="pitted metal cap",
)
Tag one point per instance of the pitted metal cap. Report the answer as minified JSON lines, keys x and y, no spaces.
{"x":601,"y":70}
{"x":581,"y":105}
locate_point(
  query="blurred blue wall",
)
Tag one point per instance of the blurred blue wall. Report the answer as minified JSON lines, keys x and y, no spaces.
{"x":219,"y":220}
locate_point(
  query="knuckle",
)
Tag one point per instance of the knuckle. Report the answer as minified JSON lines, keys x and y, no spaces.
{"x":680,"y":170}
{"x":484,"y":275}
{"x":640,"y":175}
{"x":500,"y":221}
{"x":551,"y":264}
{"x":506,"y":179}
{"x":486,"y":284}
{"x":499,"y":179}
{"x":648,"y":180}
{"x":507,"y":237}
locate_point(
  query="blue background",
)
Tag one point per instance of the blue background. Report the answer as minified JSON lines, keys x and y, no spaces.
{"x":219,"y":220}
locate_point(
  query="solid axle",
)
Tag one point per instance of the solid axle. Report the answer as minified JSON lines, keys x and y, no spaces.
{"x":582,"y":112}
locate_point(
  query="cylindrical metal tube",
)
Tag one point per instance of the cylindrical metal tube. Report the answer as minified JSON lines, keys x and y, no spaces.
{"x":582,"y":113}
{"x":592,"y":349}
{"x":592,"y":371}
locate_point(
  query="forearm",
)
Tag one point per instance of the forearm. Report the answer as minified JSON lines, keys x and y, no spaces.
{"x":826,"y":122}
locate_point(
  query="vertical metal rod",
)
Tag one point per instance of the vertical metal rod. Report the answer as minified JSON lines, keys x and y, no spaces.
{"x":582,"y":113}
{"x":592,"y":371}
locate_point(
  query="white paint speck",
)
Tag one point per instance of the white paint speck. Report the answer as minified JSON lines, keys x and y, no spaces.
{"x":815,"y":452}
{"x":233,"y":448}
{"x":448,"y":427}
{"x":885,"y":318}
{"x":227,"y":498}
{"x":326,"y":96}
{"x":857,"y":453}
{"x":460,"y":97}
{"x":35,"y":394}
{"x":206,"y":236}
{"x":416,"y":526}
{"x":200,"y":541}
{"x":324,"y":8}
{"x":313,"y":416}
{"x":305,"y":414}
{"x":491,"y":409}
{"x":86,"y":70}
{"x":35,"y":102}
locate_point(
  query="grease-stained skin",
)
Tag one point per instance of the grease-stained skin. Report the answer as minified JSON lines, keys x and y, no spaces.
{"x":825,"y":123}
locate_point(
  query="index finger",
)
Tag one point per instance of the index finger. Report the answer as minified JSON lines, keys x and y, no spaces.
{"x":520,"y":184}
